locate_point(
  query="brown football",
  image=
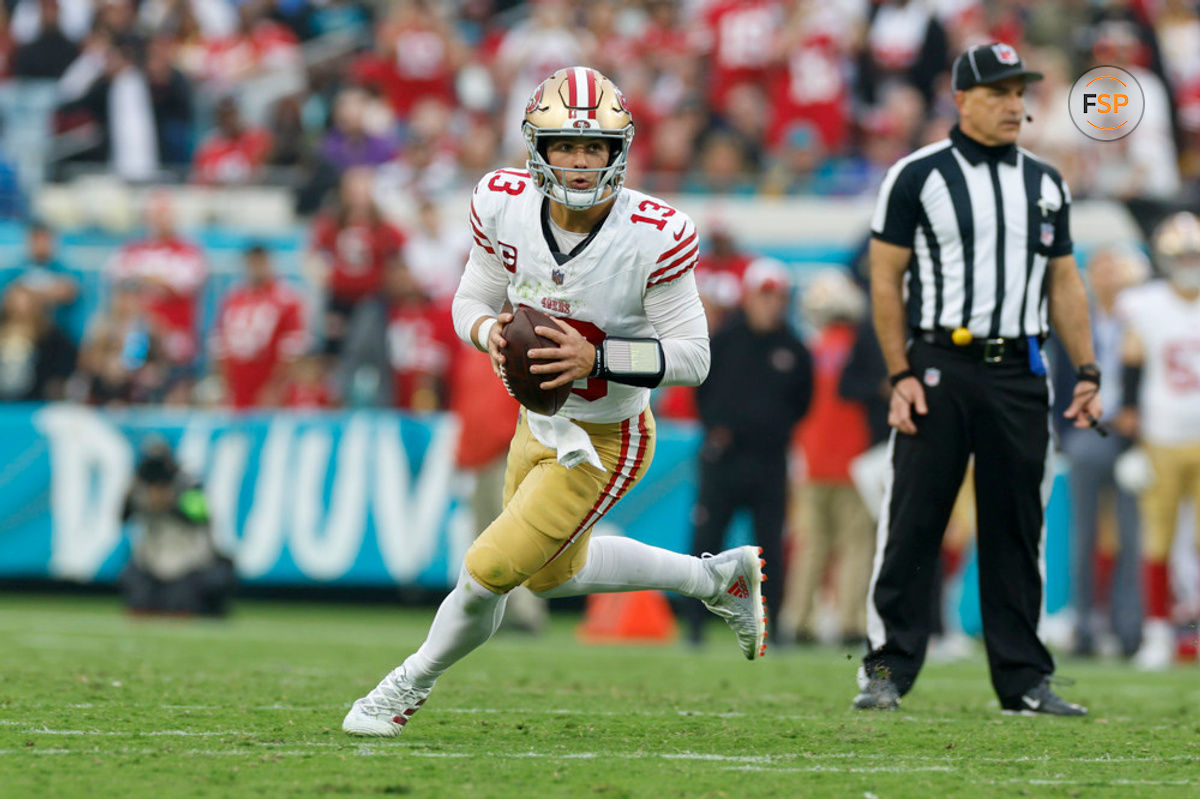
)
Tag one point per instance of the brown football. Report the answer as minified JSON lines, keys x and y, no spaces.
{"x":523,"y":385}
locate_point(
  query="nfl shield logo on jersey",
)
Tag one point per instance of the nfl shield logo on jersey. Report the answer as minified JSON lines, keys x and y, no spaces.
{"x":933,"y":376}
{"x":1005,"y":54}
{"x":558,"y":276}
{"x":1047,"y":237}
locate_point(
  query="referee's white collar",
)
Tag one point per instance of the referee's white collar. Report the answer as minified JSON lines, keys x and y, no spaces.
{"x":976,"y":152}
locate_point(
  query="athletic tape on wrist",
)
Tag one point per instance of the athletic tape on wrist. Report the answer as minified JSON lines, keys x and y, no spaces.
{"x":483,"y":331}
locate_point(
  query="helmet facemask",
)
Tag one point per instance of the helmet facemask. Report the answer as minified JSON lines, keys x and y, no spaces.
{"x":611,"y":176}
{"x":577,"y":103}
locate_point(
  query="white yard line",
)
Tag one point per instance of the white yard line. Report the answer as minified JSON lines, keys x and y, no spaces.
{"x":368,"y":750}
{"x":767,"y":763}
{"x":717,"y":758}
{"x":947,"y":761}
{"x":840,"y":769}
{"x":138,"y":733}
{"x":1105,"y":782}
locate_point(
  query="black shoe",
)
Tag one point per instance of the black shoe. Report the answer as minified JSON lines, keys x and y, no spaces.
{"x":879,"y":693}
{"x":1083,"y":648}
{"x":1041,"y":700}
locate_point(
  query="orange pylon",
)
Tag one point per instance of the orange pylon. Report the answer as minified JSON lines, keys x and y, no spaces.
{"x":635,"y":616}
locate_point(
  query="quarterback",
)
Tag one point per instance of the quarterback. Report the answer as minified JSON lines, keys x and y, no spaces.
{"x":613,"y":267}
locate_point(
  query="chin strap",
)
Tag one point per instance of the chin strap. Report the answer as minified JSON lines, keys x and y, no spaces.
{"x":630,"y":361}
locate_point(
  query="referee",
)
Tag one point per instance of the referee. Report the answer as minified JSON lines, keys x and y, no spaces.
{"x":970,"y":264}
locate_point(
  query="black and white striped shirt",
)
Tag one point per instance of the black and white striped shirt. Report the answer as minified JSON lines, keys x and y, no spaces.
{"x":982,"y":223}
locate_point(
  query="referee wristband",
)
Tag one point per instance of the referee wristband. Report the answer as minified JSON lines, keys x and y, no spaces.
{"x":483,"y":331}
{"x":1088,"y":373}
{"x":901,"y":375}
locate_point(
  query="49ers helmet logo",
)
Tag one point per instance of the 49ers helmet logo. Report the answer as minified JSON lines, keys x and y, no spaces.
{"x":535,"y":99}
{"x":622,"y":103}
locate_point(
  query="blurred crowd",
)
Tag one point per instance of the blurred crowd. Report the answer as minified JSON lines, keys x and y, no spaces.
{"x":729,"y":96}
{"x":379,"y":334}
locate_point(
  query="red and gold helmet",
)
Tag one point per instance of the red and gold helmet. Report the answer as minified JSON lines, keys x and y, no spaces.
{"x":832,"y":296}
{"x":577,"y":101}
{"x":1177,"y":249}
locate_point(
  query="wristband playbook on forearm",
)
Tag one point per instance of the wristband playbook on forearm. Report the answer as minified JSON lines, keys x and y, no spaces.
{"x":631,"y":361}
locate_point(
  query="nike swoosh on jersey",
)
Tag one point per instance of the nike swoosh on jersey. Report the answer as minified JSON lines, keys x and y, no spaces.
{"x":682,"y":228}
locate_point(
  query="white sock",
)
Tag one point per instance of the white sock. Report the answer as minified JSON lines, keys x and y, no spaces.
{"x":467,"y":618}
{"x":617,"y":564}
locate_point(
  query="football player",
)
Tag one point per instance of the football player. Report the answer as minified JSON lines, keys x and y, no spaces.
{"x":614,"y":267}
{"x":1161,"y":402}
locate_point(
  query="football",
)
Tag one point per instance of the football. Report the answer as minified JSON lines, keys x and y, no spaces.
{"x":523,"y":385}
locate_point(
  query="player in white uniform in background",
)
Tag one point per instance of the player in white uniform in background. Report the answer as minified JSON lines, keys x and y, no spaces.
{"x":1162,"y":405}
{"x":615,"y":265}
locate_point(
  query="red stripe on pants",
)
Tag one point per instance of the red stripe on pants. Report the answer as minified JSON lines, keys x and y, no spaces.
{"x":591,"y":517}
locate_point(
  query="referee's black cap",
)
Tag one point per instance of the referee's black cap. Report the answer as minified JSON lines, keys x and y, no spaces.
{"x":989,"y":63}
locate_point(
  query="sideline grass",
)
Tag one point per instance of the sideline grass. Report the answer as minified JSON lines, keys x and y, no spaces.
{"x":93,"y":704}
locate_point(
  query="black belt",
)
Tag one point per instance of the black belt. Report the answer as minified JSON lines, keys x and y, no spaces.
{"x":988,"y":350}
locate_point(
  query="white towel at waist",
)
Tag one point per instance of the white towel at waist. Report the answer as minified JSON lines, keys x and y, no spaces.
{"x":569,"y":440}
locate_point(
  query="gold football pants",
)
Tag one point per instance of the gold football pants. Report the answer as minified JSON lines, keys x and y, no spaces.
{"x":540,"y":538}
{"x":1176,"y":477}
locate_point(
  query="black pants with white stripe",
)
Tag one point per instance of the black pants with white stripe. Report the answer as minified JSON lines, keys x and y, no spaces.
{"x":999,"y":412}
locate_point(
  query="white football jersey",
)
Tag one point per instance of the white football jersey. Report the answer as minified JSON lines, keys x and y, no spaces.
{"x":1169,"y":328}
{"x":641,"y":244}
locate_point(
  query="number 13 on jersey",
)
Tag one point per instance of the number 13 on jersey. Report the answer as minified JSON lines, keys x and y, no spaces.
{"x":592,"y":389}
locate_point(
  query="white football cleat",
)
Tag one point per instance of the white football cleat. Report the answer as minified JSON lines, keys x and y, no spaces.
{"x":739,"y":601}
{"x":1158,"y":646}
{"x":384,"y":712}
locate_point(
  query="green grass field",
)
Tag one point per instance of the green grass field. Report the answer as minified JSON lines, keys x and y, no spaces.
{"x":93,"y":704}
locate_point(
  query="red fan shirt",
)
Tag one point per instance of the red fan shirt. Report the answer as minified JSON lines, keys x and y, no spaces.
{"x":269,"y":45}
{"x":238,"y":160}
{"x":258,"y":328}
{"x":486,"y":411}
{"x":678,"y":403}
{"x":358,"y":255}
{"x":719,"y":280}
{"x":811,"y":89}
{"x":422,"y":346}
{"x":835,"y":430}
{"x":308,"y":395}
{"x":420,"y":67}
{"x":742,"y":35}
{"x":171,"y":273}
